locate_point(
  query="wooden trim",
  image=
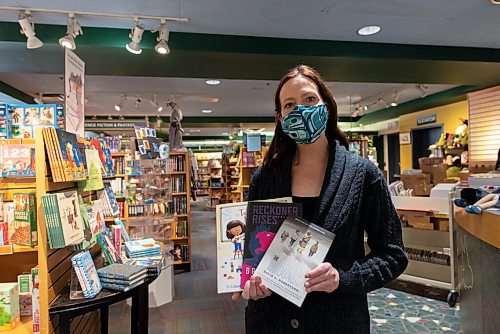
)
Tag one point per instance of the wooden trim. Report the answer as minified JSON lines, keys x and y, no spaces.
{"x":485,"y":226}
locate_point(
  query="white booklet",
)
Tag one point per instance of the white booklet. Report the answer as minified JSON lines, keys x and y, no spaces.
{"x":299,"y":247}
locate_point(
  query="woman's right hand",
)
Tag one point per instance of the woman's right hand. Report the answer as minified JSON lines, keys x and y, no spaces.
{"x":254,"y":289}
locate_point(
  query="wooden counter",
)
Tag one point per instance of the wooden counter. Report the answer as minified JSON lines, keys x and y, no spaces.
{"x":485,"y":226}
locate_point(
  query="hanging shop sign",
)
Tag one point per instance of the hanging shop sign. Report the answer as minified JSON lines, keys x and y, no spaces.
{"x":428,"y":119}
{"x":74,"y":90}
{"x":111,"y":125}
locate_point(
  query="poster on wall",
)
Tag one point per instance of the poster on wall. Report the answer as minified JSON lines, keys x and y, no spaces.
{"x":74,"y":84}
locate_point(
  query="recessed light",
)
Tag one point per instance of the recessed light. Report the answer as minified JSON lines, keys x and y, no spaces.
{"x":393,"y":104}
{"x":210,"y":99}
{"x":206,"y":111}
{"x":369,"y":30}
{"x":225,"y":133}
{"x":212,"y":82}
{"x":194,"y":130}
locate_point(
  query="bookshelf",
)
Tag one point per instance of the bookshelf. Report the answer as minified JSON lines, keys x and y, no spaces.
{"x":203,"y":177}
{"x":181,"y":192}
{"x":245,"y":168}
{"x":216,"y":185}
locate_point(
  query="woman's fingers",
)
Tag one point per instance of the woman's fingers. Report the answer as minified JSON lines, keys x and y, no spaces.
{"x":236,"y":296}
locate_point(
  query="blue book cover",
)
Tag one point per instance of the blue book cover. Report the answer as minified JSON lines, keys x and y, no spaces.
{"x":119,"y":287}
{"x":111,"y":198}
{"x":121,"y":272}
{"x":124,"y":282}
{"x":89,"y":280}
{"x":142,"y":246}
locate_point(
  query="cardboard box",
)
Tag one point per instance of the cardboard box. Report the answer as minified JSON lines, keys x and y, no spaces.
{"x":423,"y":222}
{"x":429,"y":161}
{"x":25,"y":304}
{"x":441,"y":224}
{"x":9,"y":304}
{"x":420,"y":183}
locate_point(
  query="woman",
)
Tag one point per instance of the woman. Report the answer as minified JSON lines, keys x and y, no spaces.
{"x":341,"y":192}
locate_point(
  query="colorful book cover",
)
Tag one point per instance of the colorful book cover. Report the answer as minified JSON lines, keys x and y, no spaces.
{"x":89,"y":239}
{"x":25,"y":219}
{"x":35,"y":301}
{"x":71,"y":156}
{"x":88,"y":278}
{"x":285,"y":264}
{"x":119,"y":287}
{"x":142,"y":246}
{"x":263,"y":221}
{"x":4,"y":122}
{"x":108,"y":249}
{"x":98,"y":213}
{"x":124,"y":282}
{"x":9,"y":305}
{"x":70,"y":217}
{"x":231,"y":227}
{"x":124,"y":272}
{"x":110,"y":195}
{"x":94,"y":168}
{"x":17,"y":159}
{"x":124,"y":233}
{"x":116,"y":232}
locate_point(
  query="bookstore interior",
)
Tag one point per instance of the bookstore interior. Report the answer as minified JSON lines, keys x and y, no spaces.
{"x":127,"y":157}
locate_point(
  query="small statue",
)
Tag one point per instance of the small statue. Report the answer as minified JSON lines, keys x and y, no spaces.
{"x":175,"y":131}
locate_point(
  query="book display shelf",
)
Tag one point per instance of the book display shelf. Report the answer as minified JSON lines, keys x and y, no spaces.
{"x":203,"y":177}
{"x":216,"y":183}
{"x":245,"y":166}
{"x":181,"y":192}
{"x":54,"y":265}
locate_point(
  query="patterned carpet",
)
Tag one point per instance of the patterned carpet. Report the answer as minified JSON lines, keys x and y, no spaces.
{"x":197,"y":308}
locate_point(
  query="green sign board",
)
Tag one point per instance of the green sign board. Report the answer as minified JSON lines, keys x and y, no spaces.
{"x":426,"y":119}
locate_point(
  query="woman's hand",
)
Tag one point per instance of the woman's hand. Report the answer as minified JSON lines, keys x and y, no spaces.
{"x":322,"y":278}
{"x":254,"y":289}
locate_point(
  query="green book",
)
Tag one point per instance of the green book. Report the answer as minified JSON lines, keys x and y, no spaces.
{"x":25,"y":219}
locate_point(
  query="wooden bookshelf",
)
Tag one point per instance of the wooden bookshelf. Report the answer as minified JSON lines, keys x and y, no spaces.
{"x":216,"y":189}
{"x":182,"y":266}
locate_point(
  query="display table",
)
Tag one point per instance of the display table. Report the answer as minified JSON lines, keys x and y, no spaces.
{"x":68,"y":309}
{"x":477,"y":263}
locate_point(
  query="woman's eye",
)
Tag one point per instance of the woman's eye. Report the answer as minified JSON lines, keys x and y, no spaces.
{"x":288,"y":105}
{"x":310,"y":99}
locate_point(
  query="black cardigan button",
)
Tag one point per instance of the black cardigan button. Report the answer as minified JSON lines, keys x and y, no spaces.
{"x":294,"y":323}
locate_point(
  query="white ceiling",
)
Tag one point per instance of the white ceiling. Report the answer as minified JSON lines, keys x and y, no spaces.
{"x":429,"y":22}
{"x":238,"y":98}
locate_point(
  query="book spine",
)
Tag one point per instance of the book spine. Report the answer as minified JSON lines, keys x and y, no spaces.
{"x":32,"y":220}
{"x":57,"y":222}
{"x":117,"y":236}
{"x":79,"y":273}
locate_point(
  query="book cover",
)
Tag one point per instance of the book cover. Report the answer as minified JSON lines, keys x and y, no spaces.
{"x":71,"y":156}
{"x":110,"y":195}
{"x":35,"y":300}
{"x":263,"y":221}
{"x":17,"y":160}
{"x":9,"y":304}
{"x":94,"y":168}
{"x":124,"y":282}
{"x":25,"y":219}
{"x":148,"y":245}
{"x":89,"y":278}
{"x":116,"y":232}
{"x":152,"y":264}
{"x":70,"y":218}
{"x":122,"y":288}
{"x":49,"y":148}
{"x":98,"y":213}
{"x":285,"y":264}
{"x":123,"y":272}
{"x":230,"y":228}
{"x":8,"y":217}
{"x":89,"y":239}
{"x":65,"y":174}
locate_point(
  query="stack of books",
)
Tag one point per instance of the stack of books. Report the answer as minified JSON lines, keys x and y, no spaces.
{"x":142,"y":248}
{"x":122,"y":277}
{"x":153,"y":264}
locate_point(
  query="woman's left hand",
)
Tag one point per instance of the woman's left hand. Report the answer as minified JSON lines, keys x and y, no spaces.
{"x":322,"y":278}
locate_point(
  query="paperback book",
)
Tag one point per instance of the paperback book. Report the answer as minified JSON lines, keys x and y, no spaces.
{"x":122,"y":272}
{"x":25,"y":219}
{"x":231,"y":229}
{"x":89,"y":239}
{"x":71,"y":156}
{"x":87,"y":274}
{"x":142,"y":247}
{"x":285,"y":263}
{"x":263,"y":221}
{"x":121,"y":287}
{"x":17,"y":159}
{"x":94,"y":168}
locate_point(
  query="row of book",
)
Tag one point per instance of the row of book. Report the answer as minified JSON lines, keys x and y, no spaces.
{"x":179,"y":205}
{"x":179,"y":228}
{"x":177,"y":163}
{"x":428,"y":256}
{"x":181,"y":252}
{"x":118,"y":186}
{"x":20,"y":299}
{"x":118,"y":166}
{"x":178,"y":184}
{"x":122,"y":277}
{"x":142,"y":248}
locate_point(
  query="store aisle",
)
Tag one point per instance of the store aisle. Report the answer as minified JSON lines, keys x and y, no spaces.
{"x":198,"y":309}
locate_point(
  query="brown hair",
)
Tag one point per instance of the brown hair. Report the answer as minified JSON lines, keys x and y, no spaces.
{"x":281,"y":143}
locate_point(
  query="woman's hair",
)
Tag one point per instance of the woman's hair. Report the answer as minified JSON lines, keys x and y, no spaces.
{"x":281,"y":143}
{"x":233,"y":224}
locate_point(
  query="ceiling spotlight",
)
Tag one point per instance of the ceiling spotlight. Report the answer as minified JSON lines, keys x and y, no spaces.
{"x":231,"y":137}
{"x":136,"y":36}
{"x":213,"y":82}
{"x":121,"y":118}
{"x":158,"y":107}
{"x":369,"y":30}
{"x":110,"y":117}
{"x":394,"y":103}
{"x":206,"y":111}
{"x":119,"y":106}
{"x":365,"y":107}
{"x":28,"y":29}
{"x":74,"y":29}
{"x":162,"y":39}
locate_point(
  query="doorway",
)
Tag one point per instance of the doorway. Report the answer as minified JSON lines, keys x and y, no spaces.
{"x":421,"y":139}
{"x":394,"y":154}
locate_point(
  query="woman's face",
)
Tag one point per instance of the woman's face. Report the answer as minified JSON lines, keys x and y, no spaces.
{"x":298,"y":91}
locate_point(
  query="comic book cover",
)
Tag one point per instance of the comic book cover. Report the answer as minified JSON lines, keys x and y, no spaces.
{"x":289,"y":258}
{"x":71,"y":155}
{"x":263,"y":221}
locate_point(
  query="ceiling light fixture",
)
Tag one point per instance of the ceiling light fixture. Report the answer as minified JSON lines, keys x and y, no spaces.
{"x":369,"y":30}
{"x":74,"y":29}
{"x":157,"y":106}
{"x":110,"y":117}
{"x":28,"y":29}
{"x":213,"y":82}
{"x":162,"y":39}
{"x":136,"y":37}
{"x":206,"y":111}
{"x":231,"y":137}
{"x":119,"y":106}
{"x":394,"y":103}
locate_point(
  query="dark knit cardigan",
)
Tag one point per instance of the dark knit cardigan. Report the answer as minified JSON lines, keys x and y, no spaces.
{"x":354,"y":198}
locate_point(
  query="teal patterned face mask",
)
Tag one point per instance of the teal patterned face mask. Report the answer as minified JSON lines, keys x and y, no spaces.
{"x":305,"y":124}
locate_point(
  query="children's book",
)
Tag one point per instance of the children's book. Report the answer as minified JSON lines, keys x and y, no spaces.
{"x":108,"y":249}
{"x":142,"y":247}
{"x":231,"y":228}
{"x":152,"y":264}
{"x":120,"y":287}
{"x":136,"y":280}
{"x":4,"y":122}
{"x":71,"y":156}
{"x":25,"y":219}
{"x":89,"y":238}
{"x":285,"y":264}
{"x":109,"y":195}
{"x":87,"y":274}
{"x":94,"y":168}
{"x":263,"y":221}
{"x":122,"y":272}
{"x":17,"y":159}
